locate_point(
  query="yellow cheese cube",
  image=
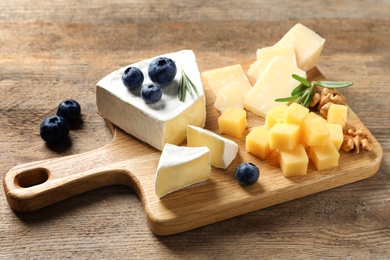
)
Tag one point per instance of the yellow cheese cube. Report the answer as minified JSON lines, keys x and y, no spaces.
{"x":284,"y":136}
{"x":233,"y":122}
{"x":314,"y":115}
{"x":308,"y":45}
{"x":274,"y":116}
{"x":337,"y":114}
{"x":230,"y":96}
{"x":315,"y":132}
{"x":325,"y":156}
{"x":295,"y":114}
{"x":218,"y":78}
{"x":336,"y":136}
{"x":293,"y":162}
{"x":257,"y":143}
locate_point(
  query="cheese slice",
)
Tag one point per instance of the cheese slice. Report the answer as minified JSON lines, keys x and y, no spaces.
{"x":223,"y":151}
{"x":275,"y":82}
{"x":307,"y":44}
{"x":160,"y":123}
{"x":180,"y":167}
{"x":218,"y":78}
{"x":265,"y":55}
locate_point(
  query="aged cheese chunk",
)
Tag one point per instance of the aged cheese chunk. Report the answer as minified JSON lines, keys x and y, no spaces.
{"x":308,"y":45}
{"x":337,"y":114}
{"x":163,"y":122}
{"x":275,"y":82}
{"x":295,"y":114}
{"x":284,"y":136}
{"x":325,"y":156}
{"x":223,"y":151}
{"x":315,"y":132}
{"x":218,"y":78}
{"x":293,"y":162}
{"x":233,"y":122}
{"x":336,"y":136}
{"x":276,"y":115}
{"x":181,"y":167}
{"x":265,"y":55}
{"x":312,"y":115}
{"x":257,"y":142}
{"x":230,"y":96}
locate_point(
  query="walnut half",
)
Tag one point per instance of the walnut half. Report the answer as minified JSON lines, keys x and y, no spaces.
{"x":354,"y":138}
{"x":325,"y":98}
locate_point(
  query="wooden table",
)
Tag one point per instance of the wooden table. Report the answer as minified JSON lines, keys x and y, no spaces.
{"x":54,"y":50}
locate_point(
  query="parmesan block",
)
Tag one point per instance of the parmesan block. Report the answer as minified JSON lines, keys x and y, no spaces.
{"x":180,"y":167}
{"x":275,"y":82}
{"x":230,"y":96}
{"x":223,"y":151}
{"x":218,"y":78}
{"x":307,"y":44}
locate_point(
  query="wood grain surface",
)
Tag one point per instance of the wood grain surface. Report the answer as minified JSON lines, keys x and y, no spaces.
{"x":53,"y":50}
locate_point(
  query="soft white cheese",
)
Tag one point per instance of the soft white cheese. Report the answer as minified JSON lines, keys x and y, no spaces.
{"x":163,"y":122}
{"x":180,"y":167}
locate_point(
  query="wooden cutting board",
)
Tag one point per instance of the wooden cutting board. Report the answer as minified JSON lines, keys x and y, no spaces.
{"x":128,"y":161}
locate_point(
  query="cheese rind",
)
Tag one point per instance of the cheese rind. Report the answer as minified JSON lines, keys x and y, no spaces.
{"x":223,"y":151}
{"x":307,"y":44}
{"x":180,"y":167}
{"x":275,"y":82}
{"x":160,"y":123}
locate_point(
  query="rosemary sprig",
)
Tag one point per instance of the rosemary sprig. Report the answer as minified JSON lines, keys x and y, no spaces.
{"x":185,"y":85}
{"x":304,"y":91}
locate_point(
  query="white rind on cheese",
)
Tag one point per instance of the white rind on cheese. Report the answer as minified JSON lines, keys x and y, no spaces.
{"x":160,"y":123}
{"x":180,"y":167}
{"x":223,"y":151}
{"x":275,"y":82}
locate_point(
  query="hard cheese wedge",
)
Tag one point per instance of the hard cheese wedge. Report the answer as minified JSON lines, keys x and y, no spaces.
{"x":160,"y":123}
{"x":223,"y":150}
{"x":308,"y":45}
{"x":275,"y":82}
{"x":180,"y":167}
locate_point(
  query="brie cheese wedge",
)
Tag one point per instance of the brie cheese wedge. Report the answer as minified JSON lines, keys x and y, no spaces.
{"x":160,"y":123}
{"x":180,"y":167}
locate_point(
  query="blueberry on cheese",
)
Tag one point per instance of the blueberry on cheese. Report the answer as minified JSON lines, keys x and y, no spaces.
{"x":132,"y":78}
{"x":151,"y":93}
{"x":163,"y":122}
{"x":162,"y":70}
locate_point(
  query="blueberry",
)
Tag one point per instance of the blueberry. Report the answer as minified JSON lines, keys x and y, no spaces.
{"x":247,"y":173}
{"x":162,"y":71}
{"x":151,"y":93}
{"x":54,"y":129}
{"x":70,"y":110}
{"x":132,"y":78}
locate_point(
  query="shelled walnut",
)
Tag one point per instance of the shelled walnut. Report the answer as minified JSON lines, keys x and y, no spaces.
{"x":324,"y":98}
{"x":354,"y":138}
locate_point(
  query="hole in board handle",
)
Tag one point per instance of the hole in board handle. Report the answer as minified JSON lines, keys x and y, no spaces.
{"x":32,"y":177}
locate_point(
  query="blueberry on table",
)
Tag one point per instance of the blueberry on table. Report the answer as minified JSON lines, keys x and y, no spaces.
{"x":70,"y":110}
{"x":151,"y":93}
{"x":132,"y":78}
{"x":247,"y":173}
{"x":162,"y":70}
{"x":54,"y":129}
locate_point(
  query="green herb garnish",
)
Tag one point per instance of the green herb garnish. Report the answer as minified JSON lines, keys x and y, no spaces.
{"x":304,"y":91}
{"x":185,"y":85}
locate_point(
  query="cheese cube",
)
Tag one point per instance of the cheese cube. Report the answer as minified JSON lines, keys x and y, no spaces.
{"x":230,"y":96}
{"x":284,"y":136}
{"x":233,"y":122}
{"x":293,"y":162}
{"x":265,"y":55}
{"x":308,"y":45}
{"x":275,"y":82}
{"x":295,"y":114}
{"x":180,"y":167}
{"x":223,"y":151}
{"x":315,"y":132}
{"x":337,"y":114}
{"x":274,"y":116}
{"x":336,"y":135}
{"x":218,"y":78}
{"x":257,"y":142}
{"x":314,"y":115}
{"x":325,"y":156}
